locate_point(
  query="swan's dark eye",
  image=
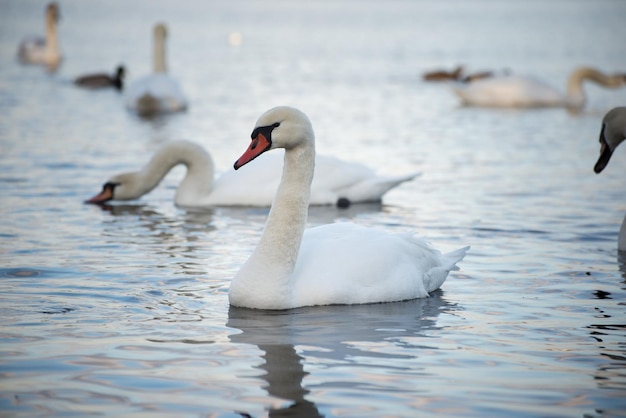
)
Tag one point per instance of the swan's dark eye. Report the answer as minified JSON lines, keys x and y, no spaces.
{"x":105,"y":195}
{"x":110,"y":185}
{"x":265,"y":130}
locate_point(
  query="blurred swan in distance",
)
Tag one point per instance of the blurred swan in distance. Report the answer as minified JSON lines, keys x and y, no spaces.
{"x":38,"y":50}
{"x":336,"y":182}
{"x":103,"y":80}
{"x":338,"y":263}
{"x":521,"y":91}
{"x":158,"y":92}
{"x":612,"y":133}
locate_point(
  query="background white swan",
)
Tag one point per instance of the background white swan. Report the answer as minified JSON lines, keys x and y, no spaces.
{"x":520,"y":91}
{"x":35,"y":49}
{"x":612,"y":134}
{"x":336,"y":181}
{"x":332,"y":264}
{"x":158,"y":92}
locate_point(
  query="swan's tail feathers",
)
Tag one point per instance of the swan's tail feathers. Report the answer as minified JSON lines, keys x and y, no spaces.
{"x":373,"y":189}
{"x":403,"y":178}
{"x":456,"y":256}
{"x":384,"y":184}
{"x":434,"y":278}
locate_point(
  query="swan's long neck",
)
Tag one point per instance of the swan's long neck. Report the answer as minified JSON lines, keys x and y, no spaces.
{"x":576,"y":95}
{"x":52,"y":40}
{"x":198,"y":180}
{"x":159,"y":52}
{"x":287,"y":218}
{"x":266,"y":276}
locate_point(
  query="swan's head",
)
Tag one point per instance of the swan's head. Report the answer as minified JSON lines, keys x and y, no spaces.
{"x":280,"y":127}
{"x":160,"y":30}
{"x":120,"y":187}
{"x":620,"y":79}
{"x":612,"y":134}
{"x":120,"y":72}
{"x":52,"y":12}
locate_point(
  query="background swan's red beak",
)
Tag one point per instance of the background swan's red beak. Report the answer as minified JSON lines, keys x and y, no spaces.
{"x":104,"y":196}
{"x":258,"y":146}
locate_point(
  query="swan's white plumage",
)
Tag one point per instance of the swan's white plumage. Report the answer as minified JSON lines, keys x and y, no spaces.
{"x":155,"y":93}
{"x":389,"y":267}
{"x":254,"y":184}
{"x":38,"y":50}
{"x":509,"y":91}
{"x":32,"y":50}
{"x":338,"y":263}
{"x":334,"y":179}
{"x":158,"y":92}
{"x":523,"y":91}
{"x":612,"y":134}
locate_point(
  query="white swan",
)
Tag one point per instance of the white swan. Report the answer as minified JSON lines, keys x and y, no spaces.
{"x":43,"y":51}
{"x":338,"y":263}
{"x":158,"y":92}
{"x":519,"y":91}
{"x":612,"y":134}
{"x":336,"y":181}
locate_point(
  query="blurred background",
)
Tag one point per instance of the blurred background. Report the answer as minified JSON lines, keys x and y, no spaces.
{"x":123,"y":310}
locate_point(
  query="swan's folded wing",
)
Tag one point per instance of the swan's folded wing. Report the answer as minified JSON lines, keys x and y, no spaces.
{"x":251,"y":185}
{"x":344,"y":263}
{"x":508,"y":91}
{"x":256,"y":184}
{"x":335,"y":178}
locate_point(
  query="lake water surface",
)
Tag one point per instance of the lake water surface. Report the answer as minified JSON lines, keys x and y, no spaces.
{"x":123,"y":310}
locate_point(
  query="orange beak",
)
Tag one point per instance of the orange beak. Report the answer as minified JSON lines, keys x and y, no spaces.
{"x":104,"y":196}
{"x":258,"y":146}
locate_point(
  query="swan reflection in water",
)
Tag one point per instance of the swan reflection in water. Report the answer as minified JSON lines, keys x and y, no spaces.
{"x":318,"y":215}
{"x":338,"y":333}
{"x":152,"y":219}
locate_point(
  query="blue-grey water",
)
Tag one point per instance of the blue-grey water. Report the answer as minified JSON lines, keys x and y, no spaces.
{"x":123,"y":311}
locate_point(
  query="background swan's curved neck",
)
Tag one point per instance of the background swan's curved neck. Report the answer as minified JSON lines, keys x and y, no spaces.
{"x":576,"y":94}
{"x":159,"y":52}
{"x":52,"y":41}
{"x":199,"y":176}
